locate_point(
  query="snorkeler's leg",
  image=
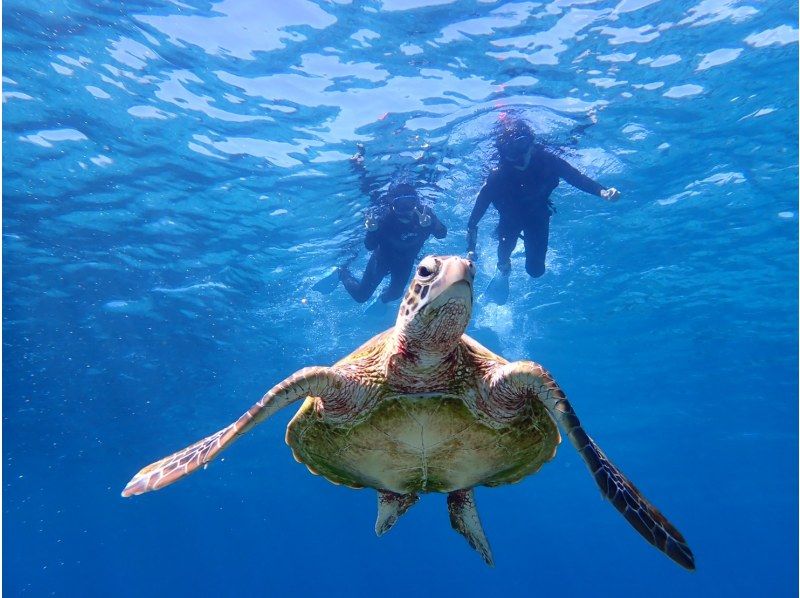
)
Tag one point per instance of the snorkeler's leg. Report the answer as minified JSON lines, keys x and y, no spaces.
{"x":507,"y":233}
{"x":400,"y":269}
{"x":373,"y":275}
{"x":498,"y":288}
{"x":537,"y":234}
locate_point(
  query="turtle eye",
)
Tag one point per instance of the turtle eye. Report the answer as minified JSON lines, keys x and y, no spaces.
{"x":427,"y":268}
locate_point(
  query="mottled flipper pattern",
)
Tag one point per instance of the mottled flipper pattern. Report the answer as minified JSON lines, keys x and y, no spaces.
{"x":172,"y":468}
{"x":465,"y":520}
{"x":308,"y":381}
{"x":525,"y":378}
{"x":392,"y":506}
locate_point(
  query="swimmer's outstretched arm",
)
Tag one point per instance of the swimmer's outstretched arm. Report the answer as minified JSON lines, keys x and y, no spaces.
{"x":575,"y":178}
{"x":580,"y":181}
{"x":482,"y":203}
{"x":438,"y":229}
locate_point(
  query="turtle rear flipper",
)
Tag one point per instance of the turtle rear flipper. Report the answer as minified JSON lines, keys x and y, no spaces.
{"x":308,"y":381}
{"x":392,"y":506}
{"x":465,"y":520}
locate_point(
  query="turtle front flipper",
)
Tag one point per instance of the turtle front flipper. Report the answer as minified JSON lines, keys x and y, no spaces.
{"x":308,"y":381}
{"x":513,"y":382}
{"x":465,"y":520}
{"x":392,"y":506}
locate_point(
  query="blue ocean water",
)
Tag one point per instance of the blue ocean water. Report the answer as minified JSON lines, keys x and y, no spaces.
{"x":176,"y":178}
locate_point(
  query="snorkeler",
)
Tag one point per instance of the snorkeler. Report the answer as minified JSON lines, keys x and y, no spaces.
{"x":397,"y":227}
{"x":520,"y":188}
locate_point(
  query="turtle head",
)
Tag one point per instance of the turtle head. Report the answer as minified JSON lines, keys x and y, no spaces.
{"x":436,"y":309}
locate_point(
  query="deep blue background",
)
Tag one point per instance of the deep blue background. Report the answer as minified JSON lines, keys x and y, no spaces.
{"x":176,"y":179}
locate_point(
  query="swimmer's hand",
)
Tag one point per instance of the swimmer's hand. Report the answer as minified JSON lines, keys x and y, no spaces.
{"x":472,"y":256}
{"x":610,"y":194}
{"x":424,"y":217}
{"x":357,"y":159}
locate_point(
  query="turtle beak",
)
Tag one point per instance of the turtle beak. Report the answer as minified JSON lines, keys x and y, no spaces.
{"x":456,"y":277}
{"x":458,"y":271}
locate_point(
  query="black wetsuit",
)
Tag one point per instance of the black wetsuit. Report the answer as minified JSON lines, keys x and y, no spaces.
{"x":522,"y":198}
{"x":395,"y":246}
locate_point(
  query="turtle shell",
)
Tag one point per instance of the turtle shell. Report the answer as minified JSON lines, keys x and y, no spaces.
{"x":423,"y":443}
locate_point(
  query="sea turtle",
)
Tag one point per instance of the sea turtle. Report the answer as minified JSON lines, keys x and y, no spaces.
{"x":424,"y":408}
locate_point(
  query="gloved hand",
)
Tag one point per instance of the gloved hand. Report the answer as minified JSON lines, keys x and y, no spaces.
{"x":357,"y":159}
{"x":610,"y":194}
{"x":424,"y":217}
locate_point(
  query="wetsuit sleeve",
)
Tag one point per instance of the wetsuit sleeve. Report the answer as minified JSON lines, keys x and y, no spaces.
{"x":438,"y":229}
{"x":481,"y":205}
{"x":574,"y":177}
{"x":373,"y":238}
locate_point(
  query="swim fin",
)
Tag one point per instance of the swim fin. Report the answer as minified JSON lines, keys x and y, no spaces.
{"x":376,"y":307}
{"x":328,"y":283}
{"x":497,"y":291}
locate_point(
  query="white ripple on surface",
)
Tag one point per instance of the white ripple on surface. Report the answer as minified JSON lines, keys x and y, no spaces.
{"x":101,"y":160}
{"x":713,"y":11}
{"x":135,"y":306}
{"x":331,"y":67}
{"x":617,"y":57}
{"x":410,"y":49}
{"x":665,"y":60}
{"x":719,"y":179}
{"x":521,"y":81}
{"x":188,"y":289}
{"x":196,"y":147}
{"x":691,"y":190}
{"x":97,"y":92}
{"x":507,"y":16}
{"x":548,"y":44}
{"x":80,"y":62}
{"x":649,"y":86}
{"x":605,"y":82}
{"x":361,"y":106}
{"x":631,"y":5}
{"x":677,"y":197}
{"x":363,"y":37}
{"x":46,"y":137}
{"x":15,"y":95}
{"x":759,"y":112}
{"x":61,"y":69}
{"x":630,"y":35}
{"x":635,"y":132}
{"x":781,"y":36}
{"x":131,"y":53}
{"x":243,"y":28}
{"x":149,"y":112}
{"x":175,"y":92}
{"x":683,"y":91}
{"x":395,"y":5}
{"x":275,"y":152}
{"x":718,"y":57}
